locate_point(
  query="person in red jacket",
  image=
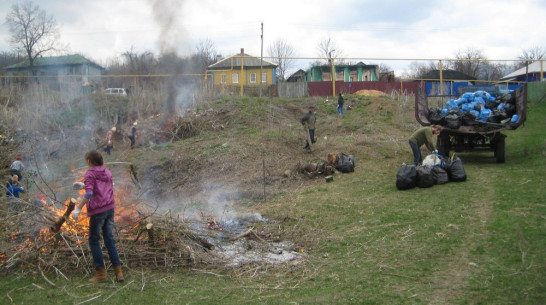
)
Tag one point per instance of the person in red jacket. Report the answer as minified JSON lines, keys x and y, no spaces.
{"x":99,"y":200}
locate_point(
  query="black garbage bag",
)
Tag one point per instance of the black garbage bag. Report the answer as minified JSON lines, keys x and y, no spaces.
{"x":510,"y":109}
{"x":424,"y":176}
{"x":435,"y":116}
{"x":453,"y":121}
{"x":491,"y":104}
{"x":406,"y":177}
{"x":455,"y":170}
{"x":468,"y":119}
{"x":507,"y":98}
{"x":346,"y":163}
{"x":439,"y":175}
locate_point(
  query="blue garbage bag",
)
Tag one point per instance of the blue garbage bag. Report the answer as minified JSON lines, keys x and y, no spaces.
{"x":484,"y":114}
{"x":451,"y":104}
{"x":467,"y":107}
{"x":461,"y":101}
{"x":479,"y":100}
{"x":514,"y":119}
{"x":468,"y":96}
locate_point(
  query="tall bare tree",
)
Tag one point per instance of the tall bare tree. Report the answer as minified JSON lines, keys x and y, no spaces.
{"x":32,"y":30}
{"x":204,"y":56}
{"x":327,"y":48}
{"x":419,"y":69}
{"x":493,"y":71}
{"x":529,"y":55}
{"x":8,"y":58}
{"x":469,"y":61}
{"x":281,"y":52}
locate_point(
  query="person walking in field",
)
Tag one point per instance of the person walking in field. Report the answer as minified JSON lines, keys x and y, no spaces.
{"x":100,"y":203}
{"x":308,"y":121}
{"x":17,"y":167}
{"x":423,"y":136}
{"x":340,"y":102}
{"x":109,"y":141}
{"x":133,"y":134}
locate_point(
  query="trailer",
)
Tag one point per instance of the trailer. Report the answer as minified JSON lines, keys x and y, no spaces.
{"x":480,"y":135}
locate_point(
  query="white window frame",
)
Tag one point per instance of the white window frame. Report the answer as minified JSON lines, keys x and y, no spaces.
{"x":264,"y":77}
{"x":223,"y":78}
{"x":252,"y":77}
{"x":235,"y":78}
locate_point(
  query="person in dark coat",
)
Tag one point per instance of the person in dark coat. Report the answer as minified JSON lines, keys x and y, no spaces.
{"x":133,"y":134}
{"x":308,"y":121}
{"x":340,"y":103}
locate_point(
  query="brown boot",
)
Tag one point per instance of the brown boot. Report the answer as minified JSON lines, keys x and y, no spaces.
{"x":100,"y":275}
{"x":119,"y":274}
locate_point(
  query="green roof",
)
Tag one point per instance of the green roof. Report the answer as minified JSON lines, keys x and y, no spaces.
{"x":75,"y":59}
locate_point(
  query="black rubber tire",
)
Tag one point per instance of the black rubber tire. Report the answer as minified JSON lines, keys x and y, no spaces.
{"x":499,"y":150}
{"x":443,"y":145}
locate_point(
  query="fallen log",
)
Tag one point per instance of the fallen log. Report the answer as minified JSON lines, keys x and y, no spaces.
{"x":58,"y":224}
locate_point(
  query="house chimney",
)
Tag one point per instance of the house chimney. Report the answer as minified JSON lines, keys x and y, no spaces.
{"x":242,"y":51}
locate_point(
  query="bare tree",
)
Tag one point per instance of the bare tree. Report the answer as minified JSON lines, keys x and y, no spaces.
{"x":469,"y":61}
{"x":281,"y":52}
{"x":204,"y":56}
{"x":419,"y":69}
{"x":8,"y":58}
{"x":327,"y":48}
{"x":32,"y":30}
{"x":386,"y":73}
{"x":134,"y":63}
{"x":529,"y":55}
{"x":493,"y":71}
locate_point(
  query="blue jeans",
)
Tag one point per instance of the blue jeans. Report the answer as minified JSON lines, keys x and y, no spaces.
{"x":103,"y":222}
{"x":340,"y":109}
{"x":416,"y":153}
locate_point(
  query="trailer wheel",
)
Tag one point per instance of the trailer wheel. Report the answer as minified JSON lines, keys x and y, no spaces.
{"x":499,"y":150}
{"x":443,"y":144}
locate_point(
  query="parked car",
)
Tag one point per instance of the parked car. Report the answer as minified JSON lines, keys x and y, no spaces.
{"x":116,"y":91}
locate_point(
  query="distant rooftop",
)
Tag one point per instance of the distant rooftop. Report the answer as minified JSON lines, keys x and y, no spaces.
{"x":75,"y":59}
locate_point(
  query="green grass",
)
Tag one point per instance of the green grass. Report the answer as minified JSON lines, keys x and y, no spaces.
{"x":481,"y":241}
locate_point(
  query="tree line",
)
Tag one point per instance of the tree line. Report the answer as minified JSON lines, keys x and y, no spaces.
{"x":34,"y":33}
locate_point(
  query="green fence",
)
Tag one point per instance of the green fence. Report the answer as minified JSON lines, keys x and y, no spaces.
{"x":536,"y":92}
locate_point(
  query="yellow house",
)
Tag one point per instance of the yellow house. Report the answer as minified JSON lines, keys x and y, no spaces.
{"x":243,"y":70}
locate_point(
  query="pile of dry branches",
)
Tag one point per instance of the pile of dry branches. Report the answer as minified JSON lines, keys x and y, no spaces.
{"x":154,"y":242}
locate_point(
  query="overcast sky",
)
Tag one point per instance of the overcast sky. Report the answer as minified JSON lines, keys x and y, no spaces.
{"x":366,"y":30}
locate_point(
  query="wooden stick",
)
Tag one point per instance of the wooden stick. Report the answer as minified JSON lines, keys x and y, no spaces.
{"x":57,"y":225}
{"x":91,"y":299}
{"x":45,"y":278}
{"x":113,"y":293}
{"x":245,"y":233}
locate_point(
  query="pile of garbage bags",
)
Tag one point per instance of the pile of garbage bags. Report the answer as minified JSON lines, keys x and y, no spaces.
{"x":475,"y":107}
{"x":410,"y":176}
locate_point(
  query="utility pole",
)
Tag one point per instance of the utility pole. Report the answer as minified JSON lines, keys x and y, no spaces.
{"x":261,"y":58}
{"x":333,"y":73}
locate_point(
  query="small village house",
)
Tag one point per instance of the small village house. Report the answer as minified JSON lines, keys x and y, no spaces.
{"x":56,"y":70}
{"x":243,"y":70}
